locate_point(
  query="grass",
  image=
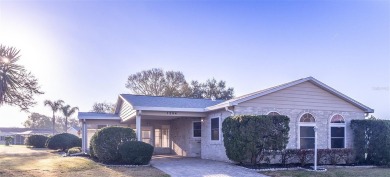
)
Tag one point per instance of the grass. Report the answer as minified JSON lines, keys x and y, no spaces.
{"x":23,"y":161}
{"x":333,"y":172}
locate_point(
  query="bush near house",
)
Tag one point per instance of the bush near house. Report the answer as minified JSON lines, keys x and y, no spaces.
{"x":372,"y":141}
{"x":104,"y":144}
{"x":63,"y":141}
{"x":36,"y":141}
{"x":74,"y":150}
{"x":246,"y":137}
{"x":303,"y":157}
{"x":136,"y":152}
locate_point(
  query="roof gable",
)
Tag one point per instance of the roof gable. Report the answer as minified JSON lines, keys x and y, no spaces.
{"x":268,"y":91}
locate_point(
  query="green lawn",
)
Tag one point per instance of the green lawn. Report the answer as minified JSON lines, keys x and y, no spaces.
{"x":21,"y":161}
{"x":334,"y":172}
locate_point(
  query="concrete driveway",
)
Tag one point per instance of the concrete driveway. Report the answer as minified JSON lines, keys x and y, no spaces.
{"x":178,"y":166}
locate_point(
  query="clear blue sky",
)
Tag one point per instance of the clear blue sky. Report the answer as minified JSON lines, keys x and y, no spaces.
{"x":82,"y":52}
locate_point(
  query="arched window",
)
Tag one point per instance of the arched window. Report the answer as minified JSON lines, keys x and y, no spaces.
{"x":273,"y":113}
{"x":307,"y":118}
{"x":337,"y":131}
{"x":306,"y":131}
{"x":337,"y":119}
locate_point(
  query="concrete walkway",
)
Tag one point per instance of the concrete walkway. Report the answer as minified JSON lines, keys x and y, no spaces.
{"x":178,"y":166}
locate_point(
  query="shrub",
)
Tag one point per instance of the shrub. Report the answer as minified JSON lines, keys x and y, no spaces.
{"x":8,"y":140}
{"x":306,"y":156}
{"x":74,"y":150}
{"x":247,"y":137}
{"x":63,"y":141}
{"x":372,"y":141}
{"x":105,"y":143}
{"x":136,"y":152}
{"x":36,"y":141}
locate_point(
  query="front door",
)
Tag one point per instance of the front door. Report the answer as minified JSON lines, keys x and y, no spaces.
{"x":196,"y":143}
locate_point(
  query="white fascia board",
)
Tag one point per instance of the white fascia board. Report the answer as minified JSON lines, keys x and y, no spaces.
{"x":219,"y":106}
{"x":142,"y":108}
{"x":98,"y":118}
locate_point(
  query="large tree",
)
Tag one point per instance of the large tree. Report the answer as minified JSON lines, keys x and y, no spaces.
{"x":211,"y":88}
{"x":103,"y":107}
{"x":156,"y":82}
{"x":36,"y":120}
{"x":17,"y":85}
{"x":54,"y":106}
{"x":68,"y":111}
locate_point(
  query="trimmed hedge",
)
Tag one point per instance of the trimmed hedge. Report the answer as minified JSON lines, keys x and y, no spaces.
{"x":303,"y":157}
{"x":104,"y":144}
{"x":136,"y":152}
{"x":63,"y":141}
{"x":246,"y":137}
{"x":372,"y":141}
{"x":36,"y":141}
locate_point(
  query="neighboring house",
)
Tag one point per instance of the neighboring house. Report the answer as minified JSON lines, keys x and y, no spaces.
{"x":75,"y":131}
{"x":192,"y":127}
{"x":19,"y":134}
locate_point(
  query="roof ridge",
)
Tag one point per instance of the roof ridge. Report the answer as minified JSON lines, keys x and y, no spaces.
{"x":172,"y":97}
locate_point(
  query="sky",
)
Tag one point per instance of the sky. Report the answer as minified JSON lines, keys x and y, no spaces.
{"x":83,"y":51}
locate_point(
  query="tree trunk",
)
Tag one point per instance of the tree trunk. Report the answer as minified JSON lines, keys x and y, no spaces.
{"x":66,"y":124}
{"x":54,"y":124}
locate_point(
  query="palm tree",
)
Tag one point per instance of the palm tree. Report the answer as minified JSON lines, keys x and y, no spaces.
{"x":55,"y":106}
{"x":17,"y":85}
{"x":68,"y":111}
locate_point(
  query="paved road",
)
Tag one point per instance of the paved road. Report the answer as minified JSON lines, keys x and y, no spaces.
{"x":177,"y":166}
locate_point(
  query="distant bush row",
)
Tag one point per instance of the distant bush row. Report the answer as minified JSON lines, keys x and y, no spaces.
{"x":61,"y":141}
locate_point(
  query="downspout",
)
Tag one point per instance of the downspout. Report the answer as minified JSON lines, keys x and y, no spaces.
{"x":228,"y":110}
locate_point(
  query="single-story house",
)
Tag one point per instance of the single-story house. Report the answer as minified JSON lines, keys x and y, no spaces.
{"x":74,"y":131}
{"x":192,"y":127}
{"x":19,"y":134}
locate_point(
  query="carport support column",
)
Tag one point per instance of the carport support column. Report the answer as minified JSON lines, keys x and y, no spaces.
{"x":138,"y":125}
{"x":84,"y":136}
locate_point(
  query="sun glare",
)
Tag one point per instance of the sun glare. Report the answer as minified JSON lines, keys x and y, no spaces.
{"x":5,"y":60}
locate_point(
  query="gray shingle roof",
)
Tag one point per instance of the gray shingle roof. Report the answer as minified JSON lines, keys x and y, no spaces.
{"x":96,"y":115}
{"x":173,"y":102}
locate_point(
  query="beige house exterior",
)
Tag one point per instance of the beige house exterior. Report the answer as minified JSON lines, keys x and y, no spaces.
{"x":192,"y":127}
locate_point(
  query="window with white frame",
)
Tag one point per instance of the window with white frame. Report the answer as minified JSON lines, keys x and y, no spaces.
{"x":215,"y":128}
{"x":306,"y":131}
{"x":273,"y":113}
{"x":337,"y":132}
{"x":196,"y":129}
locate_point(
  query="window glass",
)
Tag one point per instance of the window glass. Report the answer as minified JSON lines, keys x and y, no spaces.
{"x":146,"y":136}
{"x":307,"y":132}
{"x":307,"y":137}
{"x":273,"y":114}
{"x":337,"y":137}
{"x":337,"y":142}
{"x":157,"y":137}
{"x":215,"y":129}
{"x":307,"y":118}
{"x":197,"y":127}
{"x":337,"y":119}
{"x":165,"y":137}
